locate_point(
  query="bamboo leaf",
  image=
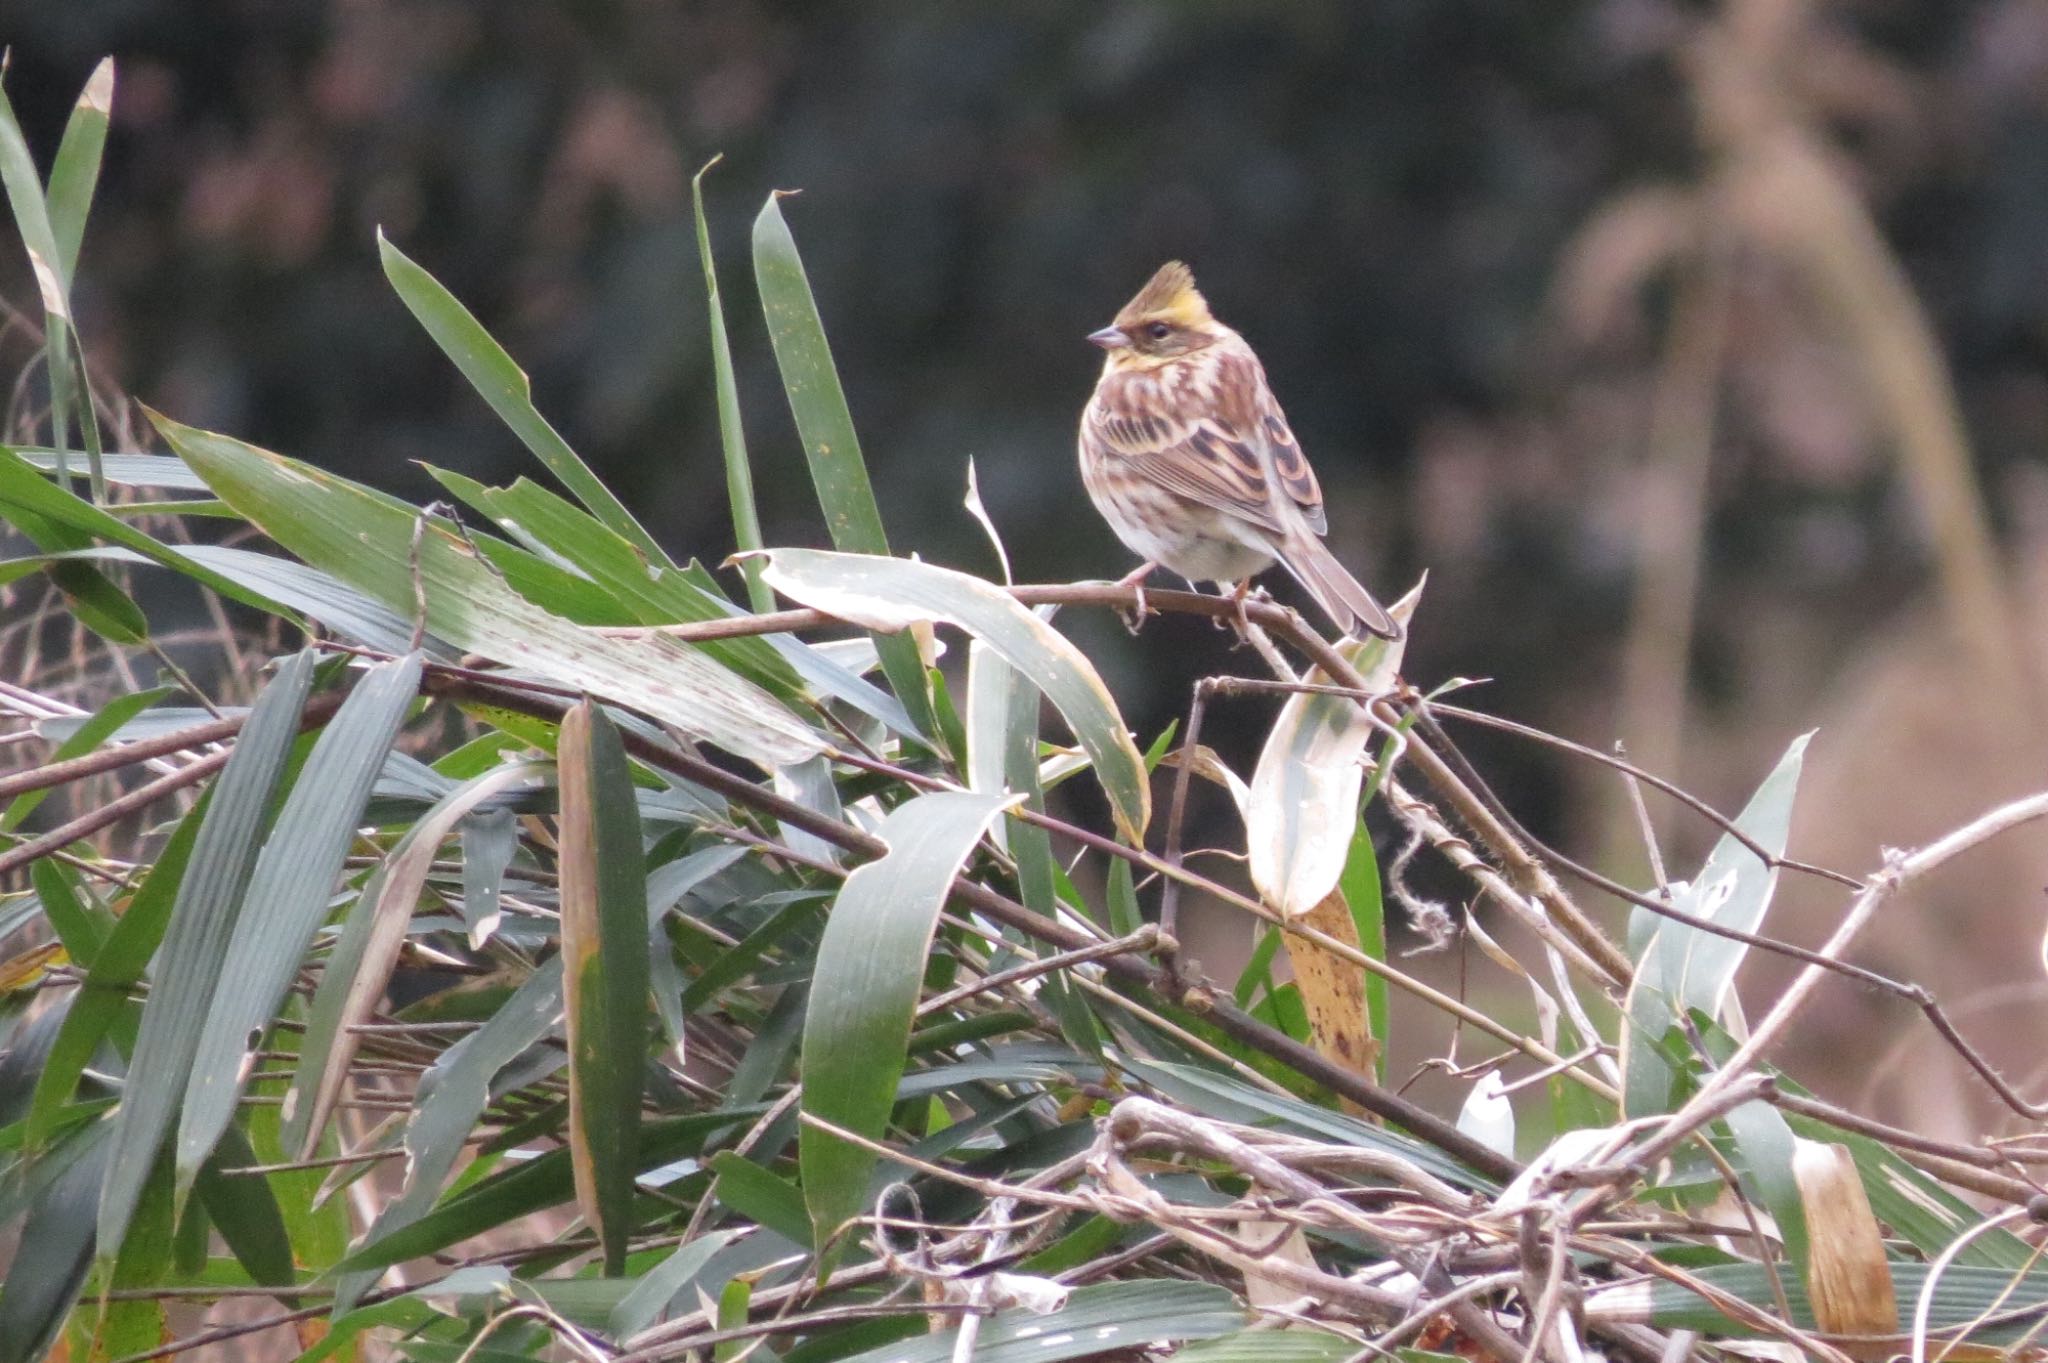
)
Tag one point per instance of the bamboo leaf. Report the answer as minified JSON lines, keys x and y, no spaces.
{"x":1107,"y":1317}
{"x":824,"y":424}
{"x":503,"y":384}
{"x":870,"y":964}
{"x":1682,"y":968}
{"x":1303,"y":806}
{"x":604,"y":951}
{"x":42,"y":1284}
{"x":367,"y":541}
{"x":732,"y":435}
{"x":75,"y":172}
{"x":202,"y":916}
{"x":287,"y":897}
{"x":890,"y":594}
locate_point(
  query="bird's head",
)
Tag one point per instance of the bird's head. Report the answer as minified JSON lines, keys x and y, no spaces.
{"x":1167,"y":319}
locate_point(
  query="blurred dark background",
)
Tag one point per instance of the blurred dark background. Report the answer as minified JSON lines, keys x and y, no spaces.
{"x":1698,"y":351}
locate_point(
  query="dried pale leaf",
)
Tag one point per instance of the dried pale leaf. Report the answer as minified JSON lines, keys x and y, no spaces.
{"x":1847,"y":1277}
{"x":1205,"y":763}
{"x":1303,"y":805}
{"x":1487,"y":1116}
{"x":1333,"y":990}
{"x":1260,"y":1289}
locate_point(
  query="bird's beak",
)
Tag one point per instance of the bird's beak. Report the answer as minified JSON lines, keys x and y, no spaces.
{"x":1109,"y":338}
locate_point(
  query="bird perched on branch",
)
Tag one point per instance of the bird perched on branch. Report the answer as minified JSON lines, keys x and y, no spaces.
{"x":1187,"y":455}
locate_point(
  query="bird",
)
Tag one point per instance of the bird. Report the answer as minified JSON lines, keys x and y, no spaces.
{"x":1186,"y":453}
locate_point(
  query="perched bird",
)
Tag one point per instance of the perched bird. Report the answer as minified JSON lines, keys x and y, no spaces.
{"x":1187,"y":455}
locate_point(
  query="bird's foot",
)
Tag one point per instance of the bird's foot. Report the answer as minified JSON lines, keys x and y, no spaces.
{"x":1239,"y":622}
{"x":1134,"y":619}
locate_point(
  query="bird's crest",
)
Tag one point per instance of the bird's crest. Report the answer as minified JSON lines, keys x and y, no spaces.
{"x":1170,"y":295}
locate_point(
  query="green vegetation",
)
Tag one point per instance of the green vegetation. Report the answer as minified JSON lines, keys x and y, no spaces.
{"x":523,"y":948}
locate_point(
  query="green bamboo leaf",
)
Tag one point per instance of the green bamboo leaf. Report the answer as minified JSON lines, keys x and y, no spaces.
{"x":359,"y":968}
{"x":287,"y":898}
{"x":27,"y":498}
{"x":1270,"y":1346}
{"x":534,"y":1185}
{"x":245,"y":1211}
{"x":96,"y":600}
{"x":1118,"y":1317}
{"x":760,"y":1197}
{"x":1681,"y":968}
{"x":1302,"y":810}
{"x":79,"y":926}
{"x":50,"y":231}
{"x":659,"y":1285}
{"x":1361,"y":886}
{"x":42,"y":1285}
{"x":201,"y":915}
{"x":870,"y":964}
{"x":732,"y":435}
{"x":368,"y":541}
{"x":824,"y":424}
{"x":1991,"y":1306}
{"x":122,"y":469}
{"x":75,"y":172}
{"x":652,"y":593}
{"x":891,"y":594}
{"x":1767,"y":1147}
{"x":1232,"y":1100}
{"x":604,"y":950}
{"x":503,"y":384}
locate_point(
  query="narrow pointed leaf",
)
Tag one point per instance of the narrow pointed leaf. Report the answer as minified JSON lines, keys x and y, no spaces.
{"x":870,"y":966}
{"x":891,"y":594}
{"x":288,"y":896}
{"x":824,"y":424}
{"x":732,"y":435}
{"x":75,"y":172}
{"x":1303,"y":806}
{"x":194,"y":942}
{"x":503,"y":384}
{"x":604,"y":950}
{"x":367,"y":542}
{"x":1683,"y":968}
{"x":660,"y":1284}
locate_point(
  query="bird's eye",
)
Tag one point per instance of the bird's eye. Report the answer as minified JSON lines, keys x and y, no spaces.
{"x":1159,"y":331}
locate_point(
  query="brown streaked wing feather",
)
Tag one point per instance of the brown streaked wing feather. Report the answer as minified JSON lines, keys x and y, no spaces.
{"x":1203,"y":460}
{"x":1220,"y":456}
{"x":1244,"y":386}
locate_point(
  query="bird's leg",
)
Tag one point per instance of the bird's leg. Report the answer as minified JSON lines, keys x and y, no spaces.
{"x":1135,"y":620}
{"x":1243,"y":622}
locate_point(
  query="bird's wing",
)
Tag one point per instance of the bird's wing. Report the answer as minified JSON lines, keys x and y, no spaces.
{"x":1228,"y":455}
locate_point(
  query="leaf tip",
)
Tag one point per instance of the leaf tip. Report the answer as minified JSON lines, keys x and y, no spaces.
{"x":98,"y":94}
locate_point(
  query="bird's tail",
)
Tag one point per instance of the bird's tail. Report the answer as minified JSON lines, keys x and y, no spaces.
{"x":1349,"y":606}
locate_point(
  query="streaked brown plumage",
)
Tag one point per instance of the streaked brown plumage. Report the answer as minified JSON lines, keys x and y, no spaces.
{"x":1189,"y":458}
